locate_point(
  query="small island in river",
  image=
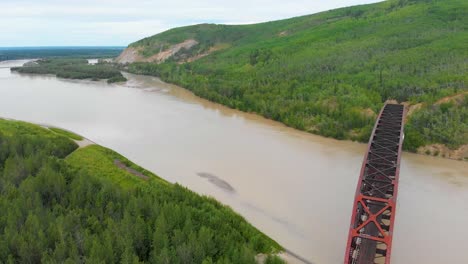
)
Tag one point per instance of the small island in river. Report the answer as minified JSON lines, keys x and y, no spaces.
{"x":73,"y":68}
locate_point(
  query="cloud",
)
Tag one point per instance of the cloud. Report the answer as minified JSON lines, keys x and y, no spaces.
{"x":120,"y":22}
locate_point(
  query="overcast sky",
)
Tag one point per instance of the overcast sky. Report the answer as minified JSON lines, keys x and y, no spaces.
{"x":120,"y":22}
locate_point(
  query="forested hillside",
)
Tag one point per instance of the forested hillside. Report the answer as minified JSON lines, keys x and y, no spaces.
{"x":330,"y":73}
{"x":60,"y":204}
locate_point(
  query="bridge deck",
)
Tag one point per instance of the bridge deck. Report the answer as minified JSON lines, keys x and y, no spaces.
{"x":370,"y":234}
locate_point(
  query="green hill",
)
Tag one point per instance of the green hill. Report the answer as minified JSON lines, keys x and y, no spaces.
{"x":328,"y":73}
{"x":61,"y":204}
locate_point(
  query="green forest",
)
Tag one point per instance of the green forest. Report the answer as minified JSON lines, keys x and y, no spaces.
{"x":61,"y":204}
{"x":445,"y":123}
{"x":331,"y":72}
{"x":73,"y":68}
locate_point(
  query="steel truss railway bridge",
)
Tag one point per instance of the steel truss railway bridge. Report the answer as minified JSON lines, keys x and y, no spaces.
{"x":372,"y":221}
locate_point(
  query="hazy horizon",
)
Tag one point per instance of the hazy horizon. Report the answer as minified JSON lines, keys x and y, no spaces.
{"x":58,"y":47}
{"x":53,"y":23}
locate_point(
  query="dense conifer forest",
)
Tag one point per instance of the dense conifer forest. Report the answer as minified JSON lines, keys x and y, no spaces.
{"x":61,"y":204}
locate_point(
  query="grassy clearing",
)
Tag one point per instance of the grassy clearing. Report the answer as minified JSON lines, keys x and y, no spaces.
{"x":96,"y":158}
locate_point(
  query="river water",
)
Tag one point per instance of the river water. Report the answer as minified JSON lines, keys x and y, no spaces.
{"x":296,"y":187}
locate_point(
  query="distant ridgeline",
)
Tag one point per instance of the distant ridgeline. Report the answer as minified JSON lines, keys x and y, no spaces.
{"x":61,"y":204}
{"x":329,"y":73}
{"x":15,"y":53}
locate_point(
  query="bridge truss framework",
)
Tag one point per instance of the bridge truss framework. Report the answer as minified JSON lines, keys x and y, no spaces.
{"x":371,"y":230}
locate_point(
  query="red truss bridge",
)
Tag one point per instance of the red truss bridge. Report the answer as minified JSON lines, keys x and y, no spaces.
{"x":371,"y":230}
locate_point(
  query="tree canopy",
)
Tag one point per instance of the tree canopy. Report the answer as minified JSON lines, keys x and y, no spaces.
{"x":61,"y":204}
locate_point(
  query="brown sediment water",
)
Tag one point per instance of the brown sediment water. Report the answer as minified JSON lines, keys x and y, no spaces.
{"x":296,"y":187}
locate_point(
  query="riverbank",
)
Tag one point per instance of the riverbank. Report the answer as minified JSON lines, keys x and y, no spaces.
{"x":277,"y":172}
{"x":433,"y":150}
{"x":436,"y":150}
{"x":328,"y":79}
{"x":98,"y":165}
{"x":83,"y":142}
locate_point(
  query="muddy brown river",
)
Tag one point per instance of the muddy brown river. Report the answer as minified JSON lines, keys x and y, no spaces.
{"x":296,"y":187}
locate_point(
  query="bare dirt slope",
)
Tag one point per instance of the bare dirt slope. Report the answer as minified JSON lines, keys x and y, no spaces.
{"x":131,"y":54}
